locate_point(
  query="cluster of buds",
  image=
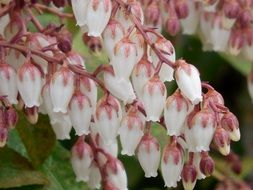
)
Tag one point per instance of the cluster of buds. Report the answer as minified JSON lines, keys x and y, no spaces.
{"x":50,"y":78}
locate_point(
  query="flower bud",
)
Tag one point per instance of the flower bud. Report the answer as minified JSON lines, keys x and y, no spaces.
{"x":74,"y":58}
{"x":119,"y":87}
{"x":188,"y":81}
{"x":196,"y":162}
{"x":230,"y":123}
{"x":32,"y":114}
{"x":107,"y":118}
{"x":3,"y":136}
{"x":172,"y":164}
{"x":200,"y":130}
{"x":8,"y":83}
{"x":131,"y":131}
{"x":182,"y":9}
{"x":80,"y":11}
{"x":189,"y":176}
{"x":116,"y":174}
{"x":98,"y":15}
{"x":222,"y":141}
{"x":80,"y":112}
{"x":62,"y":82}
{"x":11,"y":118}
{"x":137,"y":39}
{"x":89,"y":88}
{"x":231,"y":9}
{"x":148,"y":153}
{"x":236,"y":42}
{"x":234,"y":162}
{"x":2,"y":117}
{"x":124,"y":58}
{"x":62,"y":126}
{"x":153,"y":17}
{"x":95,"y":177}
{"x":207,"y":164}
{"x":59,"y":3}
{"x":29,"y":83}
{"x":113,"y":33}
{"x":168,"y":51}
{"x":172,"y":25}
{"x":190,"y":23}
{"x":142,"y":72}
{"x":81,"y":159}
{"x":93,"y":43}
{"x":175,"y":113}
{"x":154,"y":97}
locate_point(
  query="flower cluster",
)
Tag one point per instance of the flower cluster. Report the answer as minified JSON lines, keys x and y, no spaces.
{"x":40,"y":73}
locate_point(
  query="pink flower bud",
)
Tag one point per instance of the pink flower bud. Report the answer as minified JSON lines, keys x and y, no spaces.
{"x":231,"y":9}
{"x":95,"y":177}
{"x":222,"y":141}
{"x":200,"y":130}
{"x":116,"y":174}
{"x":175,"y":113}
{"x":8,"y":83}
{"x":3,"y":136}
{"x":2,"y":117}
{"x":62,"y":82}
{"x":154,"y":97}
{"x":62,"y":126}
{"x":190,"y":23}
{"x":107,"y":118}
{"x":89,"y":88}
{"x":245,"y":17}
{"x":124,"y":58}
{"x":80,"y":112}
{"x":80,"y":11}
{"x":153,"y":17}
{"x":37,"y":41}
{"x":98,"y":15}
{"x":172,"y":25}
{"x":236,"y":42}
{"x":172,"y":164}
{"x":196,"y":162}
{"x":119,"y":87}
{"x":181,"y":8}
{"x":168,"y":51}
{"x":113,"y":33}
{"x":207,"y":164}
{"x":188,"y":81}
{"x":189,"y":176}
{"x":81,"y":159}
{"x":131,"y":131}
{"x":142,"y":72}
{"x":149,"y":153}
{"x":250,"y":84}
{"x":11,"y":118}
{"x":74,"y":58}
{"x":230,"y":123}
{"x":32,"y":114}
{"x":29,"y":84}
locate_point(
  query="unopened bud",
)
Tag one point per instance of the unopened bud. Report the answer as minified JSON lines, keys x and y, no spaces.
{"x":206,"y":164}
{"x":230,"y":123}
{"x":59,"y":3}
{"x":3,"y":136}
{"x":182,"y":9}
{"x":94,"y":43}
{"x":231,"y":9}
{"x":189,"y":176}
{"x":32,"y":114}
{"x":2,"y":117}
{"x":235,"y":162}
{"x":11,"y":117}
{"x":172,"y":25}
{"x":222,"y":141}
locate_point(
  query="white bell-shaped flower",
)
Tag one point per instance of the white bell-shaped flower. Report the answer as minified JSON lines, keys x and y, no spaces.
{"x":142,"y":72}
{"x":172,"y":164}
{"x":80,"y":11}
{"x":168,"y":51}
{"x":131,"y":131}
{"x":116,"y":174}
{"x":37,"y":41}
{"x":190,"y":23}
{"x":8,"y":83}
{"x":124,"y":58}
{"x":89,"y":88}
{"x":98,"y":15}
{"x":107,"y":118}
{"x":188,"y":81}
{"x":29,"y":83}
{"x":119,"y":87}
{"x":149,"y":154}
{"x":200,"y":130}
{"x":95,"y":177}
{"x":81,"y":159}
{"x":61,"y":89}
{"x":175,"y":113}
{"x":62,"y":126}
{"x":154,"y":97}
{"x":112,"y":34}
{"x":80,"y":112}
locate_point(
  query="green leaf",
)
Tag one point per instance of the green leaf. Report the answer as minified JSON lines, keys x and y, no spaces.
{"x":39,"y":139}
{"x":16,"y":170}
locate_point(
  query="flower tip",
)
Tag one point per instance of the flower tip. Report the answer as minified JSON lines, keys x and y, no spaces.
{"x":149,"y":175}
